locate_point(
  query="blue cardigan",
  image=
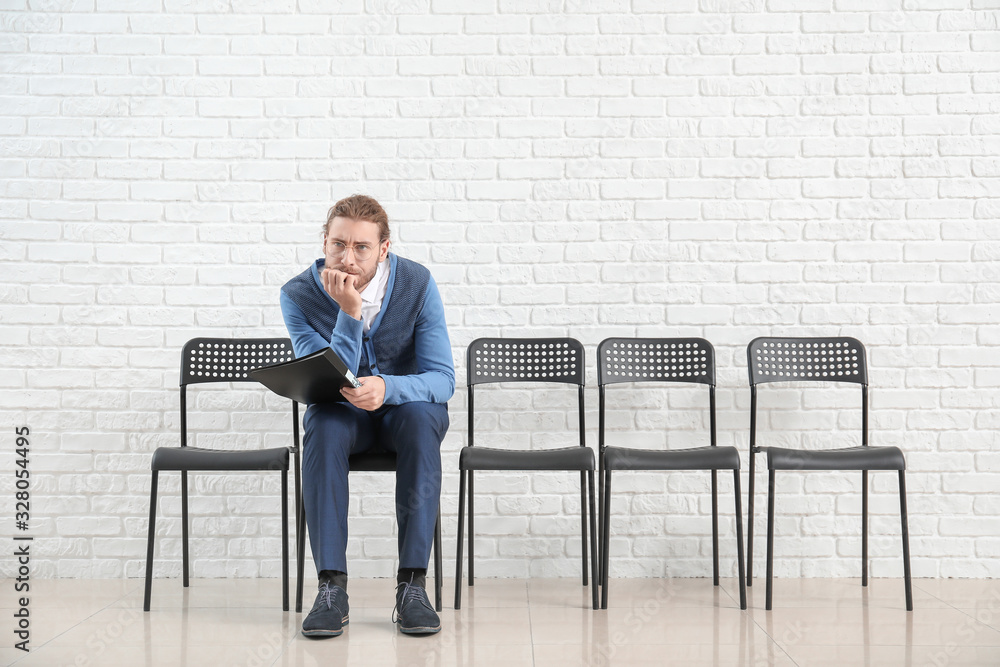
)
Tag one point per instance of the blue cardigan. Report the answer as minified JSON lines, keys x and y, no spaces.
{"x":407,"y":344}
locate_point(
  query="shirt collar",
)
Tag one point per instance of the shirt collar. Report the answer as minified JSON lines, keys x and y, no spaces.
{"x":370,"y":293}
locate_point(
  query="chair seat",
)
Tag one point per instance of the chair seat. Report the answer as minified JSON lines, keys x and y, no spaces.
{"x":696,"y":458}
{"x":195,"y":458}
{"x":566,"y":458}
{"x":850,"y":458}
{"x":372,"y":462}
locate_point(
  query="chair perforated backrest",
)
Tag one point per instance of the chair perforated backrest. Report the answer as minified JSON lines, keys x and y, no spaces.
{"x":840,"y":359}
{"x":206,"y":360}
{"x":690,"y":360}
{"x":230,"y":359}
{"x":490,"y":360}
{"x":525,"y":360}
{"x":655,"y":360}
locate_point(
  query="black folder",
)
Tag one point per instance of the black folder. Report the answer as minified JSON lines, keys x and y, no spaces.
{"x":315,"y":378}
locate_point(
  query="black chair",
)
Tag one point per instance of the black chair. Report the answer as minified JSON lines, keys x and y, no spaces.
{"x":366,"y":462}
{"x":687,"y":360}
{"x":819,"y":360}
{"x":206,"y":360}
{"x":535,"y":360}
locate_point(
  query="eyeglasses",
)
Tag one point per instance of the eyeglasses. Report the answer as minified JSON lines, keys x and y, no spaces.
{"x":362,"y":251}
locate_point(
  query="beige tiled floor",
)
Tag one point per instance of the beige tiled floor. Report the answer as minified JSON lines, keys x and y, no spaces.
{"x":519,"y":622}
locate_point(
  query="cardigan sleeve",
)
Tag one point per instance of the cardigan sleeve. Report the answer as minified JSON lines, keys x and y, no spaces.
{"x":434,"y":381}
{"x":345,"y":340}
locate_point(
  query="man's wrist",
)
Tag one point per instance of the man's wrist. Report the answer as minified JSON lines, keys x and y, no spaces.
{"x":349,"y":309}
{"x":385,"y":385}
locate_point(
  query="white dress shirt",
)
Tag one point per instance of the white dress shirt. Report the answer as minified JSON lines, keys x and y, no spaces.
{"x":373,"y":294}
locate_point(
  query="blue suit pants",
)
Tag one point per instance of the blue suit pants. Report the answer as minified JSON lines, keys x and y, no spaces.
{"x":334,"y":431}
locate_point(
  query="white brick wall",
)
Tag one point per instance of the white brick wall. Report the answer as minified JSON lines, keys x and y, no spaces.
{"x":651,"y":168}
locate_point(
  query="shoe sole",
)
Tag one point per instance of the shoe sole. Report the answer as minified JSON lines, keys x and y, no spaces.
{"x":326,"y":633}
{"x":420,"y":631}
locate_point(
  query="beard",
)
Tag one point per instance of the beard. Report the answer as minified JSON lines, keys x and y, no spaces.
{"x":361,"y":277}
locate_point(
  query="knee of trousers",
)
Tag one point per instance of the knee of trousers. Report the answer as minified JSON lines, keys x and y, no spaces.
{"x":421,"y":422}
{"x":328,"y":429}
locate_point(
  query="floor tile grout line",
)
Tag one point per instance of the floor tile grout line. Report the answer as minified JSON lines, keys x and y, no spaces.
{"x":531,"y":630}
{"x":78,"y":623}
{"x":121,"y":598}
{"x":770,"y":638}
{"x":941,"y":599}
{"x":291,"y":639}
{"x":956,"y":608}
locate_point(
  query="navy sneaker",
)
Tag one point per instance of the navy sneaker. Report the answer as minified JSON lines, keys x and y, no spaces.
{"x":329,"y":613}
{"x":414,"y":613}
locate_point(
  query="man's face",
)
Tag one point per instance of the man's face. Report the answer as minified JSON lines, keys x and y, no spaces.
{"x":347,"y":238}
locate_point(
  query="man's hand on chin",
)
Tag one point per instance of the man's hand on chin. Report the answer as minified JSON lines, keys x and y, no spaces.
{"x":369,"y":396}
{"x":340,"y":286}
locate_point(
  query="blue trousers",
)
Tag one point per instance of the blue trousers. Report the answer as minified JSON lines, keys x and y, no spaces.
{"x":333,"y":432}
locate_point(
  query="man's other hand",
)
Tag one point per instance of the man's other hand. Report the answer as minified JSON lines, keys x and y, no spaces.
{"x":369,"y":396}
{"x":340,"y":286}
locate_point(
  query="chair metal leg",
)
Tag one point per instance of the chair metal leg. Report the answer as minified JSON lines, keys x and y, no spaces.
{"x":300,"y":546}
{"x":605,"y":537}
{"x":284,"y":540}
{"x":750,"y":521}
{"x":715,"y":529}
{"x":184,"y":527}
{"x":461,"y":536}
{"x":906,"y":540}
{"x":864,"y":527}
{"x":438,"y":563}
{"x":770,"y":537}
{"x":600,"y":520}
{"x":472,"y":530}
{"x":300,"y":560}
{"x":583,"y":524}
{"x":739,"y":540}
{"x":150,"y":533}
{"x":591,"y":491}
